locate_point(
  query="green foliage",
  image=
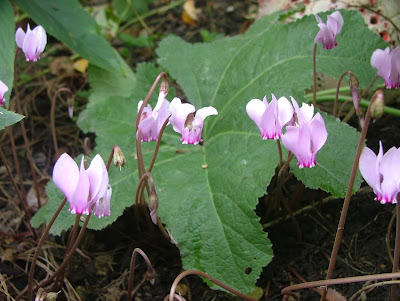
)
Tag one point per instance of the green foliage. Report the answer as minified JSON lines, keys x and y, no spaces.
{"x":208,"y":192}
{"x":8,"y":118}
{"x":7,"y":49}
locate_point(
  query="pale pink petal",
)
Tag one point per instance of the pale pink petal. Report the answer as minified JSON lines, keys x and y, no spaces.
{"x":30,"y":45}
{"x":390,"y":171}
{"x":268,"y":120}
{"x":20,"y":37}
{"x":255,"y":108}
{"x":66,"y":175}
{"x":338,"y":24}
{"x":319,"y":134}
{"x":179,"y":112}
{"x":285,"y":111}
{"x":147,"y":127}
{"x":78,"y":203}
{"x":98,"y":177}
{"x":369,"y":169}
{"x":162,"y":114}
{"x":205,"y":112}
{"x":41,"y":39}
{"x":3,"y":90}
{"x":381,"y":60}
{"x":102,"y":206}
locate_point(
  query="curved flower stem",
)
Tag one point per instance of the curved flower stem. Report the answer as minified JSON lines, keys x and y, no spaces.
{"x":396,"y":251}
{"x":24,"y":135}
{"x":285,"y":166}
{"x":364,"y":93}
{"x":215,"y":281}
{"x":52,"y":118}
{"x":138,"y":148}
{"x":315,"y":76}
{"x":39,"y":246}
{"x":280,"y":152}
{"x":326,"y":283}
{"x":140,"y":184}
{"x":346,"y":202}
{"x":342,"y":106}
{"x":335,"y":105}
{"x":150,"y":273}
{"x":153,"y":159}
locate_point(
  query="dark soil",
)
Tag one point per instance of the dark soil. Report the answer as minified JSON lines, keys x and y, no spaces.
{"x":302,"y":245}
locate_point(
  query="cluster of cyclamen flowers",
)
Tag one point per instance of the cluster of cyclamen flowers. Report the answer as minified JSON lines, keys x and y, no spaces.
{"x":305,"y":132}
{"x":181,"y":116}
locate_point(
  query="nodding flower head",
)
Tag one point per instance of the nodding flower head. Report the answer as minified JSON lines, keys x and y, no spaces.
{"x":327,"y":33}
{"x":32,"y":42}
{"x":151,"y":121}
{"x":307,"y":136}
{"x":270,"y":118}
{"x":188,"y":124}
{"x":84,"y":188}
{"x":382,"y":173}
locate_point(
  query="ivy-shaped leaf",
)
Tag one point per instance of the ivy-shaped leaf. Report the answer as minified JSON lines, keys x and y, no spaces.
{"x":8,"y":118}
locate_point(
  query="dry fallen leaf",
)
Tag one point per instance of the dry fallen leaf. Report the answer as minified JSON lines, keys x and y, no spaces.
{"x":81,"y":65}
{"x":190,"y":14}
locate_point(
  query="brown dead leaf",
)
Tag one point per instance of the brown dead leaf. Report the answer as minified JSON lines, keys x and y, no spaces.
{"x":190,"y":14}
{"x":81,"y":65}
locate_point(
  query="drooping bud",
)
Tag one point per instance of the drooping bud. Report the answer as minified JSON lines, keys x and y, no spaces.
{"x":377,"y":105}
{"x":353,"y":82}
{"x":151,"y":274}
{"x":164,"y":87}
{"x":70,"y":103}
{"x":119,"y":158}
{"x":153,"y":205}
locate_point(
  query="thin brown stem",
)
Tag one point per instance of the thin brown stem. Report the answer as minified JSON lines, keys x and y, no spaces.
{"x":280,"y":152}
{"x":39,"y":246}
{"x":342,"y":106}
{"x":315,"y":76}
{"x":141,"y":183}
{"x":346,"y":202}
{"x":212,"y":279}
{"x":150,"y":273}
{"x":153,"y":159}
{"x":396,"y":252}
{"x":52,"y":118}
{"x":326,"y":283}
{"x":337,"y":93}
{"x":24,"y":135}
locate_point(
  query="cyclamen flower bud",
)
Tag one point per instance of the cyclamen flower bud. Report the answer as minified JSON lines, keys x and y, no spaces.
{"x":119,"y":158}
{"x":377,"y":105}
{"x":153,"y":205}
{"x":353,"y":82}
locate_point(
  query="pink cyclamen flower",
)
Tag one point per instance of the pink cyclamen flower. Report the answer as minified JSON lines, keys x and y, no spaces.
{"x":270,"y":118}
{"x":3,"y":90}
{"x":183,"y":120}
{"x":153,"y":120}
{"x":388,"y":65}
{"x":82,"y":187}
{"x":32,"y":42}
{"x":382,"y":173}
{"x":307,"y":136}
{"x":327,"y":33}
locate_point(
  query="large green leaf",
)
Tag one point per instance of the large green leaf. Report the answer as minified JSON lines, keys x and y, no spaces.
{"x":7,"y":48}
{"x":228,"y":73}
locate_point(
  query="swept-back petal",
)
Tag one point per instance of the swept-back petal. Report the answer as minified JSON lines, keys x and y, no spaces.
{"x":268,"y":120}
{"x":102,"y":206}
{"x":389,"y":169}
{"x":369,"y":169}
{"x":381,"y":60}
{"x":3,"y":90}
{"x":335,"y":22}
{"x":41,"y":39}
{"x":203,"y":113}
{"x":30,"y":45}
{"x":98,"y":177}
{"x":66,"y":175}
{"x":255,"y":108}
{"x":79,"y":200}
{"x":285,"y":111}
{"x":179,"y":112}
{"x":20,"y":37}
{"x":319,"y":134}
